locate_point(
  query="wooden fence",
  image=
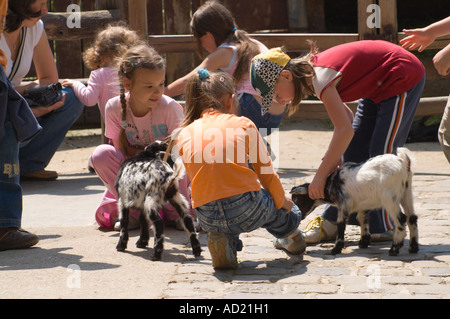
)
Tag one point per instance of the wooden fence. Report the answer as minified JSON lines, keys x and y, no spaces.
{"x":166,"y":24}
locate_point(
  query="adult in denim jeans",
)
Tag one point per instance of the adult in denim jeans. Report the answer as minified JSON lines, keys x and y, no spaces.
{"x":35,"y":155}
{"x":24,"y":41}
{"x":16,"y":123}
{"x":230,"y":197}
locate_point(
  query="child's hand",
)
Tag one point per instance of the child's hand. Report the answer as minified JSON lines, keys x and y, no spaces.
{"x":67,"y":82}
{"x":287,"y":205}
{"x":316,"y":189}
{"x":416,"y":38}
{"x":442,"y":61}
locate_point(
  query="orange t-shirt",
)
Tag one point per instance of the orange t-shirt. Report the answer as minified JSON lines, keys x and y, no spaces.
{"x":215,"y":149}
{"x":3,"y":8}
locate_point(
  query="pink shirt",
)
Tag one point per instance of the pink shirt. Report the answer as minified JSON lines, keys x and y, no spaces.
{"x":157,"y":124}
{"x":103,"y":85}
{"x":368,"y":69}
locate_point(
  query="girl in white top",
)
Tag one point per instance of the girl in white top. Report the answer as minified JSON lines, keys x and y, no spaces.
{"x":103,"y":83}
{"x":231,"y":50}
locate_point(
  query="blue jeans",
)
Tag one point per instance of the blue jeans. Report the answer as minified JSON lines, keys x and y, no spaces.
{"x":10,"y":190}
{"x":250,"y":108}
{"x":35,"y":154}
{"x":379,"y":129}
{"x":247,"y":212}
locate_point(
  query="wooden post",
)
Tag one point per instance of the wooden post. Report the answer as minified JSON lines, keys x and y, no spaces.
{"x":377,"y":20}
{"x":364,"y":30}
{"x":137,"y":16}
{"x":389,"y":20}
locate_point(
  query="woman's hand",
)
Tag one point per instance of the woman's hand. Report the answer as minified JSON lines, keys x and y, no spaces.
{"x":39,"y":111}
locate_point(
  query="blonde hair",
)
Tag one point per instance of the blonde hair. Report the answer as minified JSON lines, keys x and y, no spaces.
{"x":111,"y":43}
{"x":301,"y":69}
{"x":140,"y":56}
{"x":204,"y":91}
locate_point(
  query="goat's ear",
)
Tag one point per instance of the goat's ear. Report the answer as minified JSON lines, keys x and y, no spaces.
{"x":300,"y":190}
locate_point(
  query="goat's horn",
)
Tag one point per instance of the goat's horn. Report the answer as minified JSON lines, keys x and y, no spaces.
{"x":301,"y":190}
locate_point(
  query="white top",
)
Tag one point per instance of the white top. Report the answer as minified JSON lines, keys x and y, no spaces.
{"x":34,"y":34}
{"x":323,"y":79}
{"x":245,"y":86}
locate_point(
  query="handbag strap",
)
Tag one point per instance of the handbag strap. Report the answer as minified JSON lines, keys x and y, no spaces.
{"x":16,"y":64}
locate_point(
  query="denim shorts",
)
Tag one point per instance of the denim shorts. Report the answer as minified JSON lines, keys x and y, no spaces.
{"x":247,"y":212}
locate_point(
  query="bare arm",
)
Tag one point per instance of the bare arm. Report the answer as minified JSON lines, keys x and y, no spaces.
{"x":216,"y":60}
{"x":423,"y":37}
{"x":343,"y":133}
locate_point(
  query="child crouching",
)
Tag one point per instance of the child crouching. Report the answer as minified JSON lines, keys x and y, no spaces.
{"x":215,"y":146}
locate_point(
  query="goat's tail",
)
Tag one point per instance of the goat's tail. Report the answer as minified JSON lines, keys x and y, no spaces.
{"x":407,"y":158}
{"x":178,"y":169}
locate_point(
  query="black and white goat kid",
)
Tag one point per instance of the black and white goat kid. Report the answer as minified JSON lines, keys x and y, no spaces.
{"x":384,"y":181}
{"x":146,"y":183}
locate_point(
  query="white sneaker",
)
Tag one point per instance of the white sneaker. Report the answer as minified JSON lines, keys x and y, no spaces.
{"x":318,"y":230}
{"x":295,"y":245}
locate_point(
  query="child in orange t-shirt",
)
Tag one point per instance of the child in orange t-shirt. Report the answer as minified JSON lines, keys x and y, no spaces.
{"x":215,"y":146}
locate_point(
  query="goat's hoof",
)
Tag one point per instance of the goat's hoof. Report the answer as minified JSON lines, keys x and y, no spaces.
{"x":413,"y":246}
{"x":364,"y":242}
{"x":141,"y":243}
{"x":336,"y":251}
{"x":197,"y":251}
{"x":413,"y":249}
{"x":394,"y":250}
{"x":156,"y":256}
{"x":121,"y":247}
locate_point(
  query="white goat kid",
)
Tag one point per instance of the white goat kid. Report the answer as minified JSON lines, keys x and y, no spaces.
{"x":384,"y":181}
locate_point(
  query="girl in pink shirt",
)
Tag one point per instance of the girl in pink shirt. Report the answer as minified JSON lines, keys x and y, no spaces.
{"x":103,"y":83}
{"x":134,"y":120}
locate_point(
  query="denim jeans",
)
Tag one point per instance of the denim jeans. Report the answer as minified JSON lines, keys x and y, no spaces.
{"x":10,"y":190}
{"x":35,"y":154}
{"x":247,"y":212}
{"x":250,"y":108}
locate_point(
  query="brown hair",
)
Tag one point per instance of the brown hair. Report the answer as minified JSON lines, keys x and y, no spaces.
{"x":18,"y":11}
{"x":111,"y":43}
{"x":140,"y":56}
{"x":206,"y":91}
{"x":301,"y":69}
{"x":215,"y":18}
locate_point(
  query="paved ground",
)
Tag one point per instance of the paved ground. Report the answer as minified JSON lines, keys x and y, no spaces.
{"x":74,"y":259}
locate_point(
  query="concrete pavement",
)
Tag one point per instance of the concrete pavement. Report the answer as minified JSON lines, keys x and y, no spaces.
{"x":74,"y":259}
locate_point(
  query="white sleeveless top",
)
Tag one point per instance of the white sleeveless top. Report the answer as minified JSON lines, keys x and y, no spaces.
{"x":245,"y":86}
{"x":33,"y":36}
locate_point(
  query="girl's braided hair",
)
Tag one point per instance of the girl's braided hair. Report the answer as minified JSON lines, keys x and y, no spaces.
{"x":140,"y":56}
